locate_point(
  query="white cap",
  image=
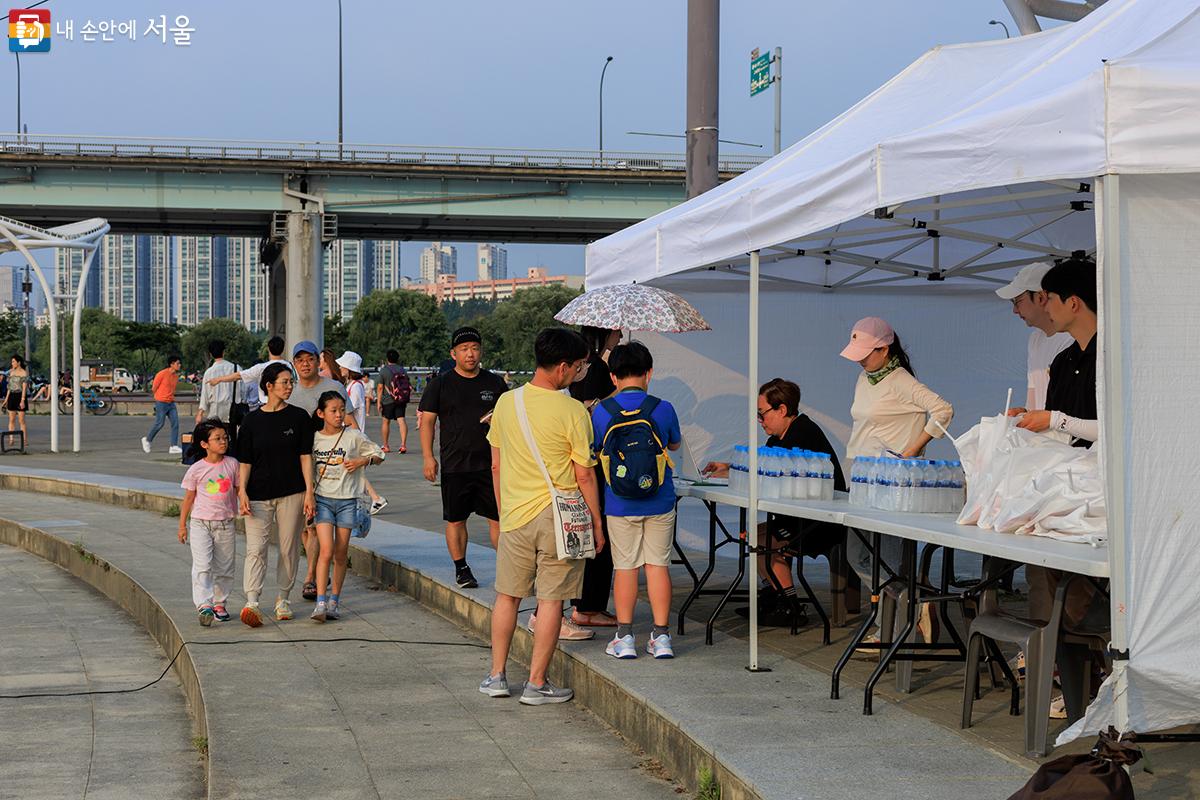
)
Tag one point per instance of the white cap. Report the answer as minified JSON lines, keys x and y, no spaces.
{"x":351,"y":361}
{"x":1029,"y":279}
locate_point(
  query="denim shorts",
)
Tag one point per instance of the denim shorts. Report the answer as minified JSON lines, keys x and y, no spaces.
{"x":336,"y":512}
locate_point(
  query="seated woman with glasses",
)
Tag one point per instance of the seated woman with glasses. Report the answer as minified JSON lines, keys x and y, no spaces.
{"x":780,"y":418}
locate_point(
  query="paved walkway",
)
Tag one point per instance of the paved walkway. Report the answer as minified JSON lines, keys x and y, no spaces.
{"x":60,"y":635}
{"x":346,"y":719}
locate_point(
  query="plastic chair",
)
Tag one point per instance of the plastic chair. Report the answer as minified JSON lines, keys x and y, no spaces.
{"x":1039,"y":643}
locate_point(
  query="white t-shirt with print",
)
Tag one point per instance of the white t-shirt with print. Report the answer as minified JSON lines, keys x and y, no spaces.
{"x":329,"y":454}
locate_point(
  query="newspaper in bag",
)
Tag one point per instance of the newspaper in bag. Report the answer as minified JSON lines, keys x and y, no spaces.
{"x":573,"y":533}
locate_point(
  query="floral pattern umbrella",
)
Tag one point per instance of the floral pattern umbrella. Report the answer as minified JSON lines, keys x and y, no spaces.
{"x":634,"y":307}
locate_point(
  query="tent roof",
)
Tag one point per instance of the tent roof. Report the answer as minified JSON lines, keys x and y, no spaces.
{"x":991,"y":146}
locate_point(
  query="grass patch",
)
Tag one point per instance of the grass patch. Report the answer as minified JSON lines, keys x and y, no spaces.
{"x":82,"y":552}
{"x":172,"y":510}
{"x":708,"y":788}
{"x":201,"y":744}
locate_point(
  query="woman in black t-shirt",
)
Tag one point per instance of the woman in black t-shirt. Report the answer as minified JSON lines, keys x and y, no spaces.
{"x":275,"y":489}
{"x":780,"y":418}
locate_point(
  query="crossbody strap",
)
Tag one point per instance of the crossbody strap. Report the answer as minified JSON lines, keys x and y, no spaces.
{"x":326,"y":464}
{"x":523,"y":419}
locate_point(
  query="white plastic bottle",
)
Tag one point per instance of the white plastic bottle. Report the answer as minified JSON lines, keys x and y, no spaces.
{"x":826,"y":476}
{"x":928,"y":491}
{"x":855,"y":479}
{"x":812,"y":473}
{"x":737,"y":469}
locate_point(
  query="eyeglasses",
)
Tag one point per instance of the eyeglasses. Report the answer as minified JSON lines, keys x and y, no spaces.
{"x":762,"y":414}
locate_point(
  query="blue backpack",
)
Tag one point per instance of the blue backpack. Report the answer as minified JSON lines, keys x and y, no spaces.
{"x":632,"y":454}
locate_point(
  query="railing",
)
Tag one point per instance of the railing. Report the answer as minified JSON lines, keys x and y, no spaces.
{"x":332,"y":152}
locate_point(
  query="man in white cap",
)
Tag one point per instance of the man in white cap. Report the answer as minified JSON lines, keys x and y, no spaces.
{"x":1029,"y":303}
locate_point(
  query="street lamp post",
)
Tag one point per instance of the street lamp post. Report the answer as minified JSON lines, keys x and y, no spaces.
{"x":1002,"y":25}
{"x":340,"y":129}
{"x":18,"y":57}
{"x":607,"y":61}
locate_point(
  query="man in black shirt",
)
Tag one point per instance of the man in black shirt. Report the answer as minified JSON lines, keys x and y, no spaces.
{"x":1071,"y":409}
{"x":462,"y":400}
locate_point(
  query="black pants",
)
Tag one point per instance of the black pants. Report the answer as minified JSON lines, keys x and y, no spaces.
{"x":598,"y":571}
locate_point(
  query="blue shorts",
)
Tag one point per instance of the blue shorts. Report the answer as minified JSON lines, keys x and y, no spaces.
{"x":336,"y":512}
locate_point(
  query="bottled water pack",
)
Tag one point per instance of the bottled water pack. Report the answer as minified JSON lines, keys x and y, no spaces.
{"x":908,"y":484}
{"x":784,"y":474}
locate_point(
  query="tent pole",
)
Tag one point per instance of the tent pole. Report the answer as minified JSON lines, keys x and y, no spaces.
{"x":751,"y":532}
{"x":1112,"y":438}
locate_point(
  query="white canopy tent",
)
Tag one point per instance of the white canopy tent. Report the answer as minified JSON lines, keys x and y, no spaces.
{"x":973,"y":161}
{"x":86,"y":236}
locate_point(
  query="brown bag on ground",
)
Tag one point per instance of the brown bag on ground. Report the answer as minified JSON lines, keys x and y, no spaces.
{"x":1095,"y":776}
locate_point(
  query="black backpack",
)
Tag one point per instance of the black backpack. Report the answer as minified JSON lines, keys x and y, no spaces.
{"x":632,"y":454}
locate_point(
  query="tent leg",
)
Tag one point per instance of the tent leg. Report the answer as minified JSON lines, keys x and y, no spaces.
{"x":1112,"y":436}
{"x":751,"y":532}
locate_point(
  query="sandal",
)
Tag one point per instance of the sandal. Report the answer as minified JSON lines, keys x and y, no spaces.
{"x":594,"y":619}
{"x":309,"y":591}
{"x":403,"y":449}
{"x":386,"y":449}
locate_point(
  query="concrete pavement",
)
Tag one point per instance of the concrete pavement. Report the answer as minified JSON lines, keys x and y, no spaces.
{"x":60,"y":635}
{"x":346,"y":719}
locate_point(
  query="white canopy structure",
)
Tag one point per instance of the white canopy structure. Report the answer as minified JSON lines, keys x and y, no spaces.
{"x":86,"y":236}
{"x":927,"y":194}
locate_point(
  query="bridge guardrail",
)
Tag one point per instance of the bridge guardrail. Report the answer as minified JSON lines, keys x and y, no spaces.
{"x":331,"y":152}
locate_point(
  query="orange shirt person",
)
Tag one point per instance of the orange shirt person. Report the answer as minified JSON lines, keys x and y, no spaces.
{"x":164,"y":405}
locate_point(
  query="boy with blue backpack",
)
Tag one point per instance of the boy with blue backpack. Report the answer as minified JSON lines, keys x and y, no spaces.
{"x":633,"y":433}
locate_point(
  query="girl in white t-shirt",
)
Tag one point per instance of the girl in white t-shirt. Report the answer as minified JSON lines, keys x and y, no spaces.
{"x":339,"y":454}
{"x":211,"y":502}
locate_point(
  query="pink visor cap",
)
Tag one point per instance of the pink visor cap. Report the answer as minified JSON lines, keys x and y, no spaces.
{"x":868,"y":333}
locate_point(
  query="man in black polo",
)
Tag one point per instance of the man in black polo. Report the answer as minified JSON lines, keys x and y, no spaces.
{"x":461,"y":401}
{"x":1070,"y":289}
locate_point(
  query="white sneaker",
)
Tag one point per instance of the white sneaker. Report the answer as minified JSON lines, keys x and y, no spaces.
{"x":378,"y":505}
{"x":175,"y":450}
{"x":622,"y":647}
{"x":660,"y":646}
{"x":145,"y":444}
{"x":318,"y":614}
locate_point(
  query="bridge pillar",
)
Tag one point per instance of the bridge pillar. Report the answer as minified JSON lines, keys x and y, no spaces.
{"x":303,"y":307}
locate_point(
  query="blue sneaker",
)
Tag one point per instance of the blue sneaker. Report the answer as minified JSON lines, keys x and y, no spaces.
{"x":495,"y":686}
{"x":660,"y":646}
{"x":221,"y":613}
{"x":622,"y":647}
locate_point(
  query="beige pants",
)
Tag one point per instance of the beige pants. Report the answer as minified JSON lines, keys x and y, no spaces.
{"x":284,"y":515}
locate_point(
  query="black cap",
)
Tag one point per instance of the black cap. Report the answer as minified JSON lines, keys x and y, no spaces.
{"x":464,"y":335}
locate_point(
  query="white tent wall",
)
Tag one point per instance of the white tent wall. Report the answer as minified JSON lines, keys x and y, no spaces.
{"x":966,"y":345}
{"x":1159,"y":294}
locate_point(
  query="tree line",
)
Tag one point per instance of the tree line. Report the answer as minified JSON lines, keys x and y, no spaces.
{"x":410,"y":322}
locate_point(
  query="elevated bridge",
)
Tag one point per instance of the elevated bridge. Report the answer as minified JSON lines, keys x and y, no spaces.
{"x":183,"y":186}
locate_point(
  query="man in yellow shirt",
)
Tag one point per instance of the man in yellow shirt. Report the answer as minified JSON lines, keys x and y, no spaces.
{"x":527,"y":557}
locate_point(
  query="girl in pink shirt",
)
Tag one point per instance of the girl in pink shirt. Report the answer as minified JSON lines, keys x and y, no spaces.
{"x":211,"y":503}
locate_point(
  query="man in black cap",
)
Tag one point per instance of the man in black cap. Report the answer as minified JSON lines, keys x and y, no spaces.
{"x":462,"y":400}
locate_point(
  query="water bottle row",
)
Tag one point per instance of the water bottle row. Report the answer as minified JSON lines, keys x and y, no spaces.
{"x":784,"y":474}
{"x":907,"y":484}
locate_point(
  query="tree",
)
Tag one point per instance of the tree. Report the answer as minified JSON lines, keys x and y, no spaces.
{"x":411,"y":322}
{"x":508,"y":333}
{"x":101,"y":338}
{"x":467,"y":312}
{"x":12,"y":335}
{"x":148,"y":344}
{"x":241,"y":346}
{"x":337,"y":334}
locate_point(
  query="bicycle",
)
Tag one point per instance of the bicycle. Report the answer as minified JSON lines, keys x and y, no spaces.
{"x":93,"y":402}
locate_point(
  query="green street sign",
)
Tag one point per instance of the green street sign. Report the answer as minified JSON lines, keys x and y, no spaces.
{"x":760,"y":72}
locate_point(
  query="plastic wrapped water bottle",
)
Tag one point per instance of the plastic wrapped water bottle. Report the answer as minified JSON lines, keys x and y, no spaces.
{"x":929,"y":488}
{"x":904,"y":483}
{"x":958,"y":487}
{"x":738,"y":467}
{"x":856,"y":470}
{"x":826,"y":462}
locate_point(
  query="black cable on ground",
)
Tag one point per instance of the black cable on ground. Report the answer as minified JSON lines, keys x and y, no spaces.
{"x":238,"y":641}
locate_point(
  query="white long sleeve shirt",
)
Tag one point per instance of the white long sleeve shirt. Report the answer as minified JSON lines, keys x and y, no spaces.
{"x":890,"y":414}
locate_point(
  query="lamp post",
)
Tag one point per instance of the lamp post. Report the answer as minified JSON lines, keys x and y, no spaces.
{"x":17,"y":56}
{"x":1002,"y":25}
{"x":607,"y":61}
{"x":339,"y":79}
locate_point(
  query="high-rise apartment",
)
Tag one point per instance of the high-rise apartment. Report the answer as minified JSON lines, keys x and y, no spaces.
{"x":438,"y":259}
{"x":492,"y":261}
{"x":201,"y":290}
{"x":247,"y":283}
{"x":68,"y":266}
{"x":122,"y":280}
{"x":387,"y":266}
{"x":348,"y":275}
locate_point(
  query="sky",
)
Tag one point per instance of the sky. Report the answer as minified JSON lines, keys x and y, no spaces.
{"x":469,"y":73}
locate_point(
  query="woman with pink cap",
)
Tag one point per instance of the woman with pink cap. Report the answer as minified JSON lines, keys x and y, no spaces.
{"x":893,"y":412}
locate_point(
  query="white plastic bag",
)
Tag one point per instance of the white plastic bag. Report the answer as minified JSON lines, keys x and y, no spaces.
{"x":1024,"y":482}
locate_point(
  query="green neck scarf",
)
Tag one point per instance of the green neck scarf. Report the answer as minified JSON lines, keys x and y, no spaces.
{"x":887,"y":369}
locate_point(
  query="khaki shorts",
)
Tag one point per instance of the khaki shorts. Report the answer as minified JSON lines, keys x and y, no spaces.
{"x":528,"y":557}
{"x":641,"y":540}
